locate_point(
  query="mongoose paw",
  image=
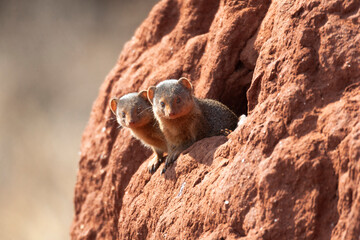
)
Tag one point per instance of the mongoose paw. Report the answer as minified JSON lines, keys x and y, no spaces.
{"x":225,"y":131}
{"x":169,"y":160}
{"x":154,"y":164}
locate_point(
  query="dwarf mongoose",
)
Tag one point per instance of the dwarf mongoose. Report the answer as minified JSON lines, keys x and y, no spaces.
{"x":134,"y":111}
{"x":184,"y":119}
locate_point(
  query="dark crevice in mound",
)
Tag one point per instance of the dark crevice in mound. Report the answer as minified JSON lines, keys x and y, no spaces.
{"x":235,"y":89}
{"x":232,"y":91}
{"x":235,"y":94}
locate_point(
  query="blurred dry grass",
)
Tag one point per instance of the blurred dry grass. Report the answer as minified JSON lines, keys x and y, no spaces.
{"x":53,"y":57}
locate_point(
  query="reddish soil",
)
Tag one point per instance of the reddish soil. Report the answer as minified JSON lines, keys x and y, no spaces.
{"x":291,"y":171}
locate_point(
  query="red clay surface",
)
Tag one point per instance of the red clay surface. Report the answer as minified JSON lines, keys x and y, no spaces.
{"x":291,"y":171}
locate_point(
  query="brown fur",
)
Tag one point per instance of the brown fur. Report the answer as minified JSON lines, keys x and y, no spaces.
{"x":134,"y":112}
{"x":189,"y":119}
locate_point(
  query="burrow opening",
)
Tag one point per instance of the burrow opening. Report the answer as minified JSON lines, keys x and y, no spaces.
{"x":234,"y":91}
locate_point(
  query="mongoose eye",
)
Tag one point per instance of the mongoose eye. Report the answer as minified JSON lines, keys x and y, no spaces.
{"x":178,"y":100}
{"x":138,"y":110}
{"x":123,"y":114}
{"x":162,"y":104}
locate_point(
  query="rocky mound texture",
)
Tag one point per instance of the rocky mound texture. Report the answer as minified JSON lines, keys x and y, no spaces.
{"x":290,"y":171}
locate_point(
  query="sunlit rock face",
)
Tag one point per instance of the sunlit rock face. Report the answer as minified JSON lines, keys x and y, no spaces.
{"x":289,"y":171}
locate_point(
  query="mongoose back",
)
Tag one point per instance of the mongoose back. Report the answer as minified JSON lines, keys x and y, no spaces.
{"x":134,"y":112}
{"x":184,"y":119}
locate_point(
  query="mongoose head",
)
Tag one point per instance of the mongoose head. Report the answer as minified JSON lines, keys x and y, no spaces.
{"x":172,"y":99}
{"x":132,"y":110}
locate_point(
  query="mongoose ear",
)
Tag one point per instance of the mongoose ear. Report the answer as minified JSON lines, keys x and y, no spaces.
{"x":113,"y":105}
{"x":143,"y":94}
{"x":150,"y":93}
{"x":185,"y":82}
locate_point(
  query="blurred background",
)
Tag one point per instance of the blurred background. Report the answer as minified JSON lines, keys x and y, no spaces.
{"x":54,"y":55}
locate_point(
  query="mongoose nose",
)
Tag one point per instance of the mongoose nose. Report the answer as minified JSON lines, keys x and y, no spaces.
{"x":131,"y":123}
{"x":172,"y":115}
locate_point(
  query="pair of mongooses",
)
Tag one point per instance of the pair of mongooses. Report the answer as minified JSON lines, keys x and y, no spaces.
{"x":169,"y":118}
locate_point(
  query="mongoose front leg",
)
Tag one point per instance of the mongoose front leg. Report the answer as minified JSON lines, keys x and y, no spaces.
{"x":173,"y":155}
{"x":156,"y":161}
